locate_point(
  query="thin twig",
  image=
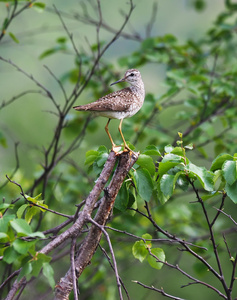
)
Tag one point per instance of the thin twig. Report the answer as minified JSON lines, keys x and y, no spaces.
{"x":221,"y":276}
{"x":219,"y":210}
{"x":161,"y":291}
{"x":173,"y":237}
{"x":112,"y":254}
{"x":58,"y":81}
{"x":152,"y":20}
{"x":31,"y":77}
{"x":15,"y":273}
{"x":195,"y":280}
{"x":35,"y":204}
{"x":14,"y":98}
{"x":73,"y":269}
{"x":16,"y":167}
{"x":154,"y":240}
{"x":109,"y":260}
{"x":229,"y":216}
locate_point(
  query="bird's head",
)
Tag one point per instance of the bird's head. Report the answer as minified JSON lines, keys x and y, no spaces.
{"x":131,"y":76}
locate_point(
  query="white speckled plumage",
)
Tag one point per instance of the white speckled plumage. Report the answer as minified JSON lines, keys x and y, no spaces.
{"x":120,"y":104}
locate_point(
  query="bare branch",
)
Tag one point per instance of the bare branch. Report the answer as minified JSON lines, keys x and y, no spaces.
{"x":91,"y":242}
{"x":161,"y":291}
{"x":14,"y":13}
{"x":58,"y":81}
{"x":74,"y":278}
{"x":35,"y":204}
{"x":6,"y":103}
{"x":229,"y":216}
{"x":195,"y":280}
{"x":113,"y":256}
{"x":31,"y":77}
{"x":109,"y":260}
{"x":16,"y":167}
{"x":152,"y":20}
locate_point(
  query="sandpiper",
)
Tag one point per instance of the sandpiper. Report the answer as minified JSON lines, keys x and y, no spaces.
{"x":120,"y":104}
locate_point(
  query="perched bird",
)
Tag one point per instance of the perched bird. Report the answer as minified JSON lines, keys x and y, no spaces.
{"x":120,"y":104}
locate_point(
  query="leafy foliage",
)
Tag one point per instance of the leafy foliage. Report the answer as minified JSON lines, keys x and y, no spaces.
{"x":140,"y":251}
{"x":183,"y":187}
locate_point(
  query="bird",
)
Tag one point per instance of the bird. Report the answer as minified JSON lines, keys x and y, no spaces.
{"x":120,"y":104}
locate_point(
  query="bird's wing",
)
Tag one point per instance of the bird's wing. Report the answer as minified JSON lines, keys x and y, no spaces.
{"x":116,"y":101}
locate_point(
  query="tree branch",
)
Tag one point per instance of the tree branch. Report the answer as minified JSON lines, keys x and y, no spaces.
{"x":90,"y":243}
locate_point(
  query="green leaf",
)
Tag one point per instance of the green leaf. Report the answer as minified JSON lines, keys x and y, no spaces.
{"x":62,"y":40}
{"x":5,"y":22}
{"x":229,"y":171}
{"x":160,"y":254}
{"x":152,"y":150}
{"x":21,"y":227}
{"x":36,"y":267}
{"x":26,"y":270}
{"x":3,"y":140}
{"x":3,"y":235}
{"x":102,"y":149}
{"x":30,"y":213}
{"x":189,"y":146}
{"x":4,"y":222}
{"x":33,"y":199}
{"x":102,"y":159}
{"x":37,"y":234}
{"x":39,"y":6}
{"x":14,"y":37}
{"x":48,"y":53}
{"x":132,"y":201}
{"x":161,"y":197}
{"x":91,"y":156}
{"x":139,"y":250}
{"x":21,"y":210}
{"x":231,"y":191}
{"x":37,"y":263}
{"x":219,"y":160}
{"x":4,"y":206}
{"x":146,"y":162}
{"x":182,"y":182}
{"x":205,"y":177}
{"x":21,"y":246}
{"x":147,"y":236}
{"x":10,"y":255}
{"x":168,"y":148}
{"x":167,"y":185}
{"x":171,"y":157}
{"x":178,"y":151}
{"x":144,"y":184}
{"x":170,"y":161}
{"x":121,"y":202}
{"x":49,"y":274}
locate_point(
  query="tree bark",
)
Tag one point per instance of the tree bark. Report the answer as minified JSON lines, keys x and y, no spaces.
{"x":90,"y":243}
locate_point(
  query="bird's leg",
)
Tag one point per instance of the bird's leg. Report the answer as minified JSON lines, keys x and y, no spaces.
{"x":107,"y":131}
{"x":120,"y":130}
{"x":112,"y":142}
{"x":126,"y":148}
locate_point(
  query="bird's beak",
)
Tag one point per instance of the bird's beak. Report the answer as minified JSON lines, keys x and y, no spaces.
{"x":120,"y":80}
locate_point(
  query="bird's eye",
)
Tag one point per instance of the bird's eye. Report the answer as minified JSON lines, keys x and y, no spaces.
{"x":132,"y":74}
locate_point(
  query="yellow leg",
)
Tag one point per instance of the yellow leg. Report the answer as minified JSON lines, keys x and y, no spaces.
{"x":120,"y":130}
{"x":107,"y":131}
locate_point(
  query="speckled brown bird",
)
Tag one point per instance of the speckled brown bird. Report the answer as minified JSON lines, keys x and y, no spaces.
{"x":120,"y":104}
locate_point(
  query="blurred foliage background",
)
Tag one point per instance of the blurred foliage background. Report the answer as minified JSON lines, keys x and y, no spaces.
{"x":186,"y":52}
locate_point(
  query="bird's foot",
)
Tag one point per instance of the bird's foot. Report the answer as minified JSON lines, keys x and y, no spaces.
{"x":117,"y":149}
{"x":124,"y":148}
{"x":131,"y":152}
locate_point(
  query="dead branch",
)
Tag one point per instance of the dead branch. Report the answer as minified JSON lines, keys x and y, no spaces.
{"x":90,"y":244}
